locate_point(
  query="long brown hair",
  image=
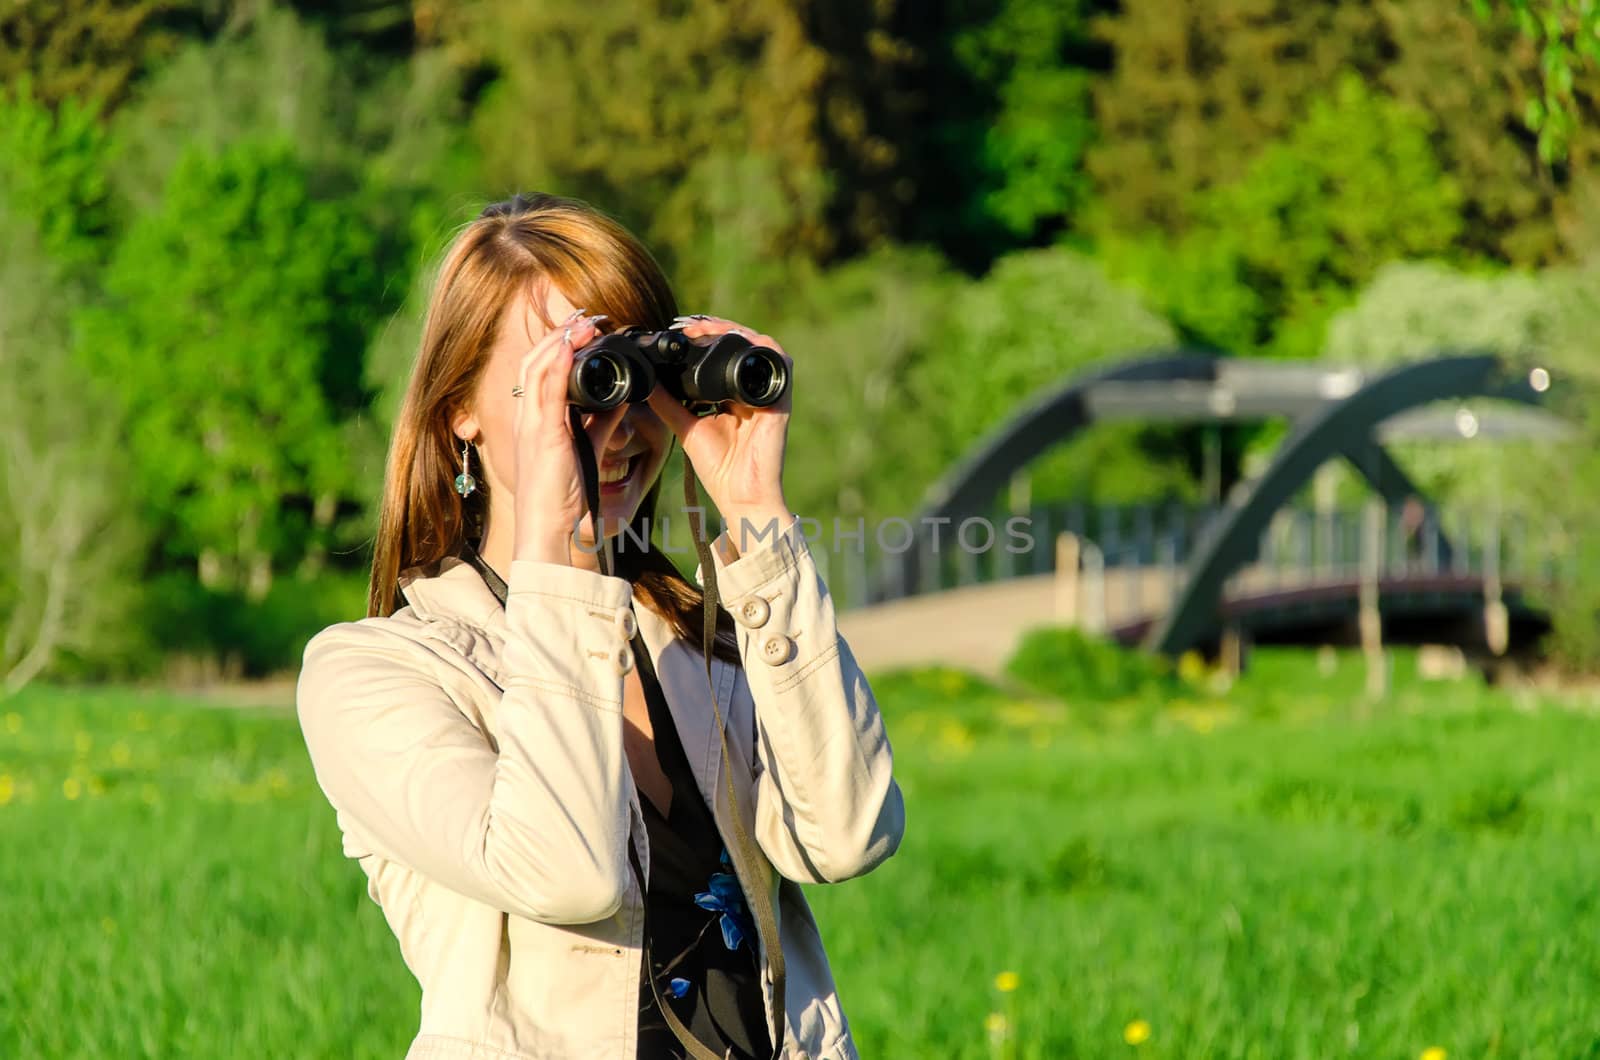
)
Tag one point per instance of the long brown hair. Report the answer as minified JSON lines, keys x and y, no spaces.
{"x":526,"y":242}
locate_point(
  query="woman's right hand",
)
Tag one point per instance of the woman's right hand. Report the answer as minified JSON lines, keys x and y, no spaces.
{"x":549,"y":482}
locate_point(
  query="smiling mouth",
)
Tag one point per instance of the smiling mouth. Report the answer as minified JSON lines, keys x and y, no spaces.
{"x":619,"y":474}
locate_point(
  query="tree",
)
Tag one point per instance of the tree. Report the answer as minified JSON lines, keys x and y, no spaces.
{"x":859,"y":445}
{"x":1269,"y":255}
{"x":1201,"y":86}
{"x":1534,"y":320}
{"x":1567,"y":33}
{"x":53,"y":173}
{"x":63,"y":507}
{"x":616,"y":104}
{"x":1476,"y":80}
{"x":236,"y":313}
{"x":1036,"y":320}
{"x":87,"y":49}
{"x":1000,"y":93}
{"x":381,"y":141}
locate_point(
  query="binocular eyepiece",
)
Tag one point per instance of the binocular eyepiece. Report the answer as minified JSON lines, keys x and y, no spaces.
{"x":625,"y":366}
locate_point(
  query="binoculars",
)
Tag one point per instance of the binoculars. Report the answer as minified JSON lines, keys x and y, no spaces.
{"x":626,"y":365}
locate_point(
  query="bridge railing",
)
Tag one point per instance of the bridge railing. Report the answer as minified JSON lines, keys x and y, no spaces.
{"x":1301,"y":546}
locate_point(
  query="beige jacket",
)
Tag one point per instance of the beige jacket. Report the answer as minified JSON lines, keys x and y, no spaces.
{"x":473,"y":755}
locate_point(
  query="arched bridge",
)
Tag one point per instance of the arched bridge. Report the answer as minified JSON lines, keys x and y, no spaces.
{"x":1176,"y":581}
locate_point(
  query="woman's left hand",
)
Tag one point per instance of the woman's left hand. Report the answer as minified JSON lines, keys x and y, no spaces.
{"x":738,"y":453}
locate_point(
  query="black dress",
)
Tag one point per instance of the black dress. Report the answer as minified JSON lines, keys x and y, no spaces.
{"x":703,"y":937}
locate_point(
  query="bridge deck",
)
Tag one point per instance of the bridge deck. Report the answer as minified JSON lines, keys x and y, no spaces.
{"x":977,"y":627}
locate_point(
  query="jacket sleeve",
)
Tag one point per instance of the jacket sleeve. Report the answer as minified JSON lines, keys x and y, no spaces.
{"x":827,"y":804}
{"x":539,"y":828}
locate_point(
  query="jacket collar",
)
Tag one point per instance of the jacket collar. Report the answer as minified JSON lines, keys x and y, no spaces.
{"x":453,"y":591}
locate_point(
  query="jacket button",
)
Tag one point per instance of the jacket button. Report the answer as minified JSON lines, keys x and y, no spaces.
{"x":624,"y":659}
{"x":754,"y":611}
{"x":627,"y":623}
{"x":775,"y":649}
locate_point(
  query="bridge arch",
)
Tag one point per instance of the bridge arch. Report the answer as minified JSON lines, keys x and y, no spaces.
{"x":1340,"y":429}
{"x":1051,"y":419}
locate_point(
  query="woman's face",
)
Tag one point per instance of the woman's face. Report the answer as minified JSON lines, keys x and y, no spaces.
{"x":633,"y":457}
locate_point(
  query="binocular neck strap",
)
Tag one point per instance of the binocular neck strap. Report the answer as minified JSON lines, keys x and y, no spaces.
{"x":761,"y":897}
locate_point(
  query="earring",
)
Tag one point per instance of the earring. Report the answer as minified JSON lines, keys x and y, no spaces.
{"x":465,"y":483}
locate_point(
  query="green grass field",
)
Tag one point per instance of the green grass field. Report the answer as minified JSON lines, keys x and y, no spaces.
{"x":1270,"y":871}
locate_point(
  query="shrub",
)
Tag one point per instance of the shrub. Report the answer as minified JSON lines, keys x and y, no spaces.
{"x":1076,"y":667}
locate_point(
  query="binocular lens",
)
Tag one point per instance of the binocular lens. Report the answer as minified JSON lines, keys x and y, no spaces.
{"x":602,"y":381}
{"x":759,"y":379}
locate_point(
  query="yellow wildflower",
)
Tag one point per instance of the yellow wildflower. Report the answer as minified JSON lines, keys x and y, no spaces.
{"x":1007,"y":981}
{"x":1433,"y":1052}
{"x":996,"y":1023}
{"x":1136,"y":1033}
{"x":71,"y":787}
{"x":956,"y":736}
{"x":8,"y":788}
{"x":1191,"y":666}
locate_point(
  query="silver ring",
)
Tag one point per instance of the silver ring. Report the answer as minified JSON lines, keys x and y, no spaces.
{"x":516,"y":391}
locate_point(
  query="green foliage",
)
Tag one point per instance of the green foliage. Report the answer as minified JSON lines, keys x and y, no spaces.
{"x":1412,"y":310}
{"x":1198,"y":283}
{"x":53,"y":176}
{"x":644,"y":110}
{"x":1083,"y":670}
{"x":1547,"y":321}
{"x":241,"y":195}
{"x":1036,"y":320}
{"x":1201,"y":87}
{"x":1568,"y":35}
{"x":1354,"y":184}
{"x":1037,"y":121}
{"x":64,"y":503}
{"x":389,"y":137}
{"x":259,"y":298}
{"x":247,"y":637}
{"x":1039,"y":319}
{"x":87,"y":49}
{"x":861,"y":444}
{"x":1474,"y":79}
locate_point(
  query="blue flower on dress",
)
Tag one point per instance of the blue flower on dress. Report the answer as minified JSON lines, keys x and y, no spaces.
{"x":726,"y":898}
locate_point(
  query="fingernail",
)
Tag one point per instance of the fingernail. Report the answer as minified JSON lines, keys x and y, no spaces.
{"x":576,"y":313}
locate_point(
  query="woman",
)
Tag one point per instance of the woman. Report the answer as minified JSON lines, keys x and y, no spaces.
{"x":512,"y":743}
